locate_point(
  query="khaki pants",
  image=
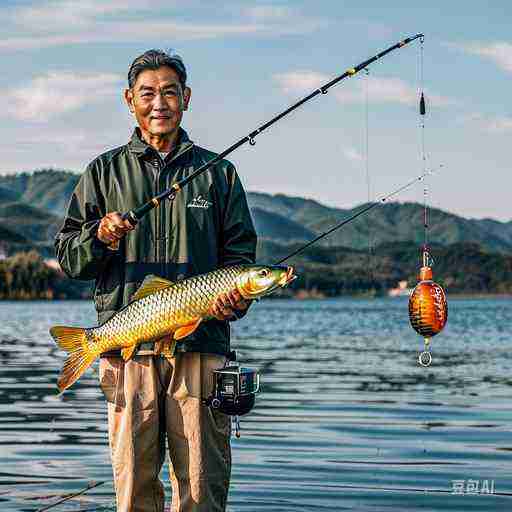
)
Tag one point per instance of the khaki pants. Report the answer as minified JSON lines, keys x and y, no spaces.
{"x":151,"y":399}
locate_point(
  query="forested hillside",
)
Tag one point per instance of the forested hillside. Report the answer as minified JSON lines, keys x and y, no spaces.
{"x":369,"y":255}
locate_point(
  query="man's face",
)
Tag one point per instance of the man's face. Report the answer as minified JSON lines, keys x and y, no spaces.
{"x":158,"y":101}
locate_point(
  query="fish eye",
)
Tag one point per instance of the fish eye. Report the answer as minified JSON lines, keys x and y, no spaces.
{"x":263,"y":272}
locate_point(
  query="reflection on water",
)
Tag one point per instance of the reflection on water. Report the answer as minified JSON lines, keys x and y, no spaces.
{"x":346,"y":419}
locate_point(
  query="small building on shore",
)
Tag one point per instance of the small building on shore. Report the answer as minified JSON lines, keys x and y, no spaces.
{"x":402,"y":290}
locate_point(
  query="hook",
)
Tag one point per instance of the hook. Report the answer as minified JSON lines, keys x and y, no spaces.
{"x":252,"y":142}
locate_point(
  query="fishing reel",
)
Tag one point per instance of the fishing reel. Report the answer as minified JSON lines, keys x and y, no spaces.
{"x":234,"y":391}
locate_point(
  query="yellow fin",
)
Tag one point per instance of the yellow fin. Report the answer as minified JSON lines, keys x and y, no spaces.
{"x":187,"y":329}
{"x":74,"y":341}
{"x":150,"y":285}
{"x":128,"y":352}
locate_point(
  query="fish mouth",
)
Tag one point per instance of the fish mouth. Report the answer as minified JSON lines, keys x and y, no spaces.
{"x":287,"y":277}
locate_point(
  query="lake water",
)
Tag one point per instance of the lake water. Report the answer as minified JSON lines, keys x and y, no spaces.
{"x":346,"y":419}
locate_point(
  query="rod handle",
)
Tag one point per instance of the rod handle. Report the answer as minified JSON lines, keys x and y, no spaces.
{"x":132,"y":219}
{"x":133,"y":216}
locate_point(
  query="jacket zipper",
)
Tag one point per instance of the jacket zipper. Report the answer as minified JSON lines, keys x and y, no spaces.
{"x":165,"y":213}
{"x":162,"y":240}
{"x":156,"y":181}
{"x":160,"y":249}
{"x":160,"y":221}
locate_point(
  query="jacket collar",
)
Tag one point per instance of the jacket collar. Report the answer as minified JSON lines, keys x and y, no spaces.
{"x":139,"y":146}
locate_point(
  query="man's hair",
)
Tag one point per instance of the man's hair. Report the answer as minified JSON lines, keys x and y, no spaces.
{"x":154,"y":59}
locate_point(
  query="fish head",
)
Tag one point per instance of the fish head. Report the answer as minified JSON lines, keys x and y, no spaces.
{"x":258,"y":280}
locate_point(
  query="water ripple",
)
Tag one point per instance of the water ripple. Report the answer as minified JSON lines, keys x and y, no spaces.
{"x":346,"y":419}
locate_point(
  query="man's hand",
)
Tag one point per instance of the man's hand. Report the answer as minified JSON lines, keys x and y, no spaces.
{"x":112,"y":228}
{"x":222,"y":308}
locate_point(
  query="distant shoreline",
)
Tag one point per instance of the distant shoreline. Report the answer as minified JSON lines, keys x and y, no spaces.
{"x":478,"y":295}
{"x":302,"y":297}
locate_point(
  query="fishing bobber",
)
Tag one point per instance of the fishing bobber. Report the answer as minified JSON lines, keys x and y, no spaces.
{"x":428,"y":310}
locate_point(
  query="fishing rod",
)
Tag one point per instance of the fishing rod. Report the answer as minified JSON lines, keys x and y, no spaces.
{"x":133,"y":216}
{"x":358,"y":214}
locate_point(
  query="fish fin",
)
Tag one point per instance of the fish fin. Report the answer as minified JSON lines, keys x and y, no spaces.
{"x":74,"y":341}
{"x":150,"y":285}
{"x":128,"y":352}
{"x":186,"y":329}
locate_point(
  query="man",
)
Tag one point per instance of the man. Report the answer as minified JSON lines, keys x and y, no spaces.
{"x":207,"y":226}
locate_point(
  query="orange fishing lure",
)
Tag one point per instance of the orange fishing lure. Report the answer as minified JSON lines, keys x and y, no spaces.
{"x":428,"y":309}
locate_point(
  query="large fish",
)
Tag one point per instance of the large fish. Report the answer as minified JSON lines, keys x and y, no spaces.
{"x":160,"y":308}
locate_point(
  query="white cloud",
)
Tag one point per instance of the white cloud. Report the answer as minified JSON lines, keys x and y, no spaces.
{"x":57,"y":93}
{"x":499,"y":52}
{"x":69,"y":15}
{"x":58,"y":23}
{"x":353,"y":155}
{"x":500,"y":124}
{"x":80,"y":142}
{"x":265,"y":12}
{"x":380,"y":89}
{"x":490,"y":124}
{"x":297,"y":82}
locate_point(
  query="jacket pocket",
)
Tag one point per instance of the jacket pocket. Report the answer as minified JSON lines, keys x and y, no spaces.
{"x":110,"y":296}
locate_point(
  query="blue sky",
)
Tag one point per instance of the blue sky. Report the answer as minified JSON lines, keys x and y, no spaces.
{"x":65,"y":63}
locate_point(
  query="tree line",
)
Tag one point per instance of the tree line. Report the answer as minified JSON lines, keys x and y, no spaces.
{"x":459,"y":268}
{"x":25,"y":275}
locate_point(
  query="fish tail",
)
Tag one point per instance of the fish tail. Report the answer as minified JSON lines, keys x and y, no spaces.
{"x":74,"y":341}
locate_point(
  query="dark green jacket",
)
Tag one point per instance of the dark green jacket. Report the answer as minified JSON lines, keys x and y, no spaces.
{"x":207,"y":226}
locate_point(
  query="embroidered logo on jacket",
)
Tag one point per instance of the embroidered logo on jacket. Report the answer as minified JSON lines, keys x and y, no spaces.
{"x":199,"y":202}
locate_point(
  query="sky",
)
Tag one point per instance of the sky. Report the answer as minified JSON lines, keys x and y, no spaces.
{"x":64,"y":66}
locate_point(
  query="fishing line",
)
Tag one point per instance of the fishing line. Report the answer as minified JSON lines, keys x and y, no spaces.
{"x":367,"y":171}
{"x":423,"y":111}
{"x":359,"y":213}
{"x":428,"y":307}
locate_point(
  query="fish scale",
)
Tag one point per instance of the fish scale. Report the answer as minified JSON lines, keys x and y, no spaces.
{"x":181,"y":303}
{"x":163,"y":312}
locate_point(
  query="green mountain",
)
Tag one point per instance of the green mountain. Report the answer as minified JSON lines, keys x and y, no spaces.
{"x":390,"y":222}
{"x":48,"y":189}
{"x":7,"y":195}
{"x":459,"y":268}
{"x":31,"y":205}
{"x":10,"y":237}
{"x":275,"y":226}
{"x":471,"y":255}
